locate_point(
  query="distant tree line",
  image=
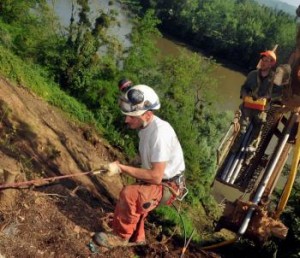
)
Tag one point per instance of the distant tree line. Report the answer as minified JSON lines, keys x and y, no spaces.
{"x":236,"y":30}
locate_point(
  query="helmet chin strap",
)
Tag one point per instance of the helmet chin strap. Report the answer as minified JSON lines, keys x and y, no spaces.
{"x":147,"y":121}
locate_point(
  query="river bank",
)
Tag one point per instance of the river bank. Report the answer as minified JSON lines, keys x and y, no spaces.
{"x":229,"y":76}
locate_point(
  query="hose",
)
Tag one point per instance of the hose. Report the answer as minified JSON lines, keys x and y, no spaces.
{"x":184,"y":230}
{"x":226,"y":242}
{"x":186,"y":245}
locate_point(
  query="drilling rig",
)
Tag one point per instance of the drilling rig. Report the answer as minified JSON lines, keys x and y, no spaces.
{"x":247,"y":188}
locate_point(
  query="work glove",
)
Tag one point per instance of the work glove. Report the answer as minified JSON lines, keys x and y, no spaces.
{"x":113,"y":169}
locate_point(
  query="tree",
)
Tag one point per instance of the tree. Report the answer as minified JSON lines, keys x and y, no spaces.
{"x":236,"y":30}
{"x":86,"y":57}
{"x":143,"y":55}
{"x":12,"y":11}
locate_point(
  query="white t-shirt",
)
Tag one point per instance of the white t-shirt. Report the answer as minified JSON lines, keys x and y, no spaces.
{"x":159,"y":143}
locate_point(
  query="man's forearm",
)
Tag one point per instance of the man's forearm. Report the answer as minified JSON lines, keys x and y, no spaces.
{"x":147,"y":175}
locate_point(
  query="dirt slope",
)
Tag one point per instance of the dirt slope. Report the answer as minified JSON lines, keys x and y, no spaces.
{"x":57,"y":220}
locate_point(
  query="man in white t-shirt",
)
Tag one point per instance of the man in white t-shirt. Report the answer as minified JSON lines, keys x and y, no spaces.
{"x":162,"y":163}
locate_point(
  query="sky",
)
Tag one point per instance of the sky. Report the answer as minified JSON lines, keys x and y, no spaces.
{"x":291,"y":2}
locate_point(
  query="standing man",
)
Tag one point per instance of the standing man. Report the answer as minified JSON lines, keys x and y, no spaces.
{"x":256,"y":94}
{"x":162,"y":163}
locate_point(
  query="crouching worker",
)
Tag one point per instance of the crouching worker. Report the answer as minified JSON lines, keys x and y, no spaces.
{"x":162,"y":168}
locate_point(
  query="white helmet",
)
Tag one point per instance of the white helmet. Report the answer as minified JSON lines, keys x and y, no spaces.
{"x":138,"y":100}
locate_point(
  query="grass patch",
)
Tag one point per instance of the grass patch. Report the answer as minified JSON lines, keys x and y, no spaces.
{"x":177,"y":218}
{"x":34,"y":78}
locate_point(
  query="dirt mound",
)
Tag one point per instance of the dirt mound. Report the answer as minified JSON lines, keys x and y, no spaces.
{"x":58,"y":219}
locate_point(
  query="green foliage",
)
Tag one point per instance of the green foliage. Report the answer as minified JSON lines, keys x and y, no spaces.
{"x":141,"y":62}
{"x":81,"y":67}
{"x":183,"y":220}
{"x":26,"y":22}
{"x":291,"y":217}
{"x":175,"y":218}
{"x":15,"y":10}
{"x":79,"y":59}
{"x":236,"y":30}
{"x":34,"y":78}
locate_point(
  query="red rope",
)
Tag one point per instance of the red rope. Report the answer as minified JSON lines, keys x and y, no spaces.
{"x":41,"y":180}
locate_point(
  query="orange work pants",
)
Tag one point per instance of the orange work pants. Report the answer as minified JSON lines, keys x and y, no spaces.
{"x":135,"y":202}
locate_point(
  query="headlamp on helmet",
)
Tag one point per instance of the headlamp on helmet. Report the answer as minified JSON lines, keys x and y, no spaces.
{"x":124,"y":85}
{"x":138,"y":100}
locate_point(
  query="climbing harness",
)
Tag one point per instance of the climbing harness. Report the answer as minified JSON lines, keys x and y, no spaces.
{"x":183,"y":191}
{"x":186,"y":244}
{"x":173,"y":189}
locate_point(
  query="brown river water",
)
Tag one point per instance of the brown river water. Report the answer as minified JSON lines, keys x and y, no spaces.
{"x":229,"y":80}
